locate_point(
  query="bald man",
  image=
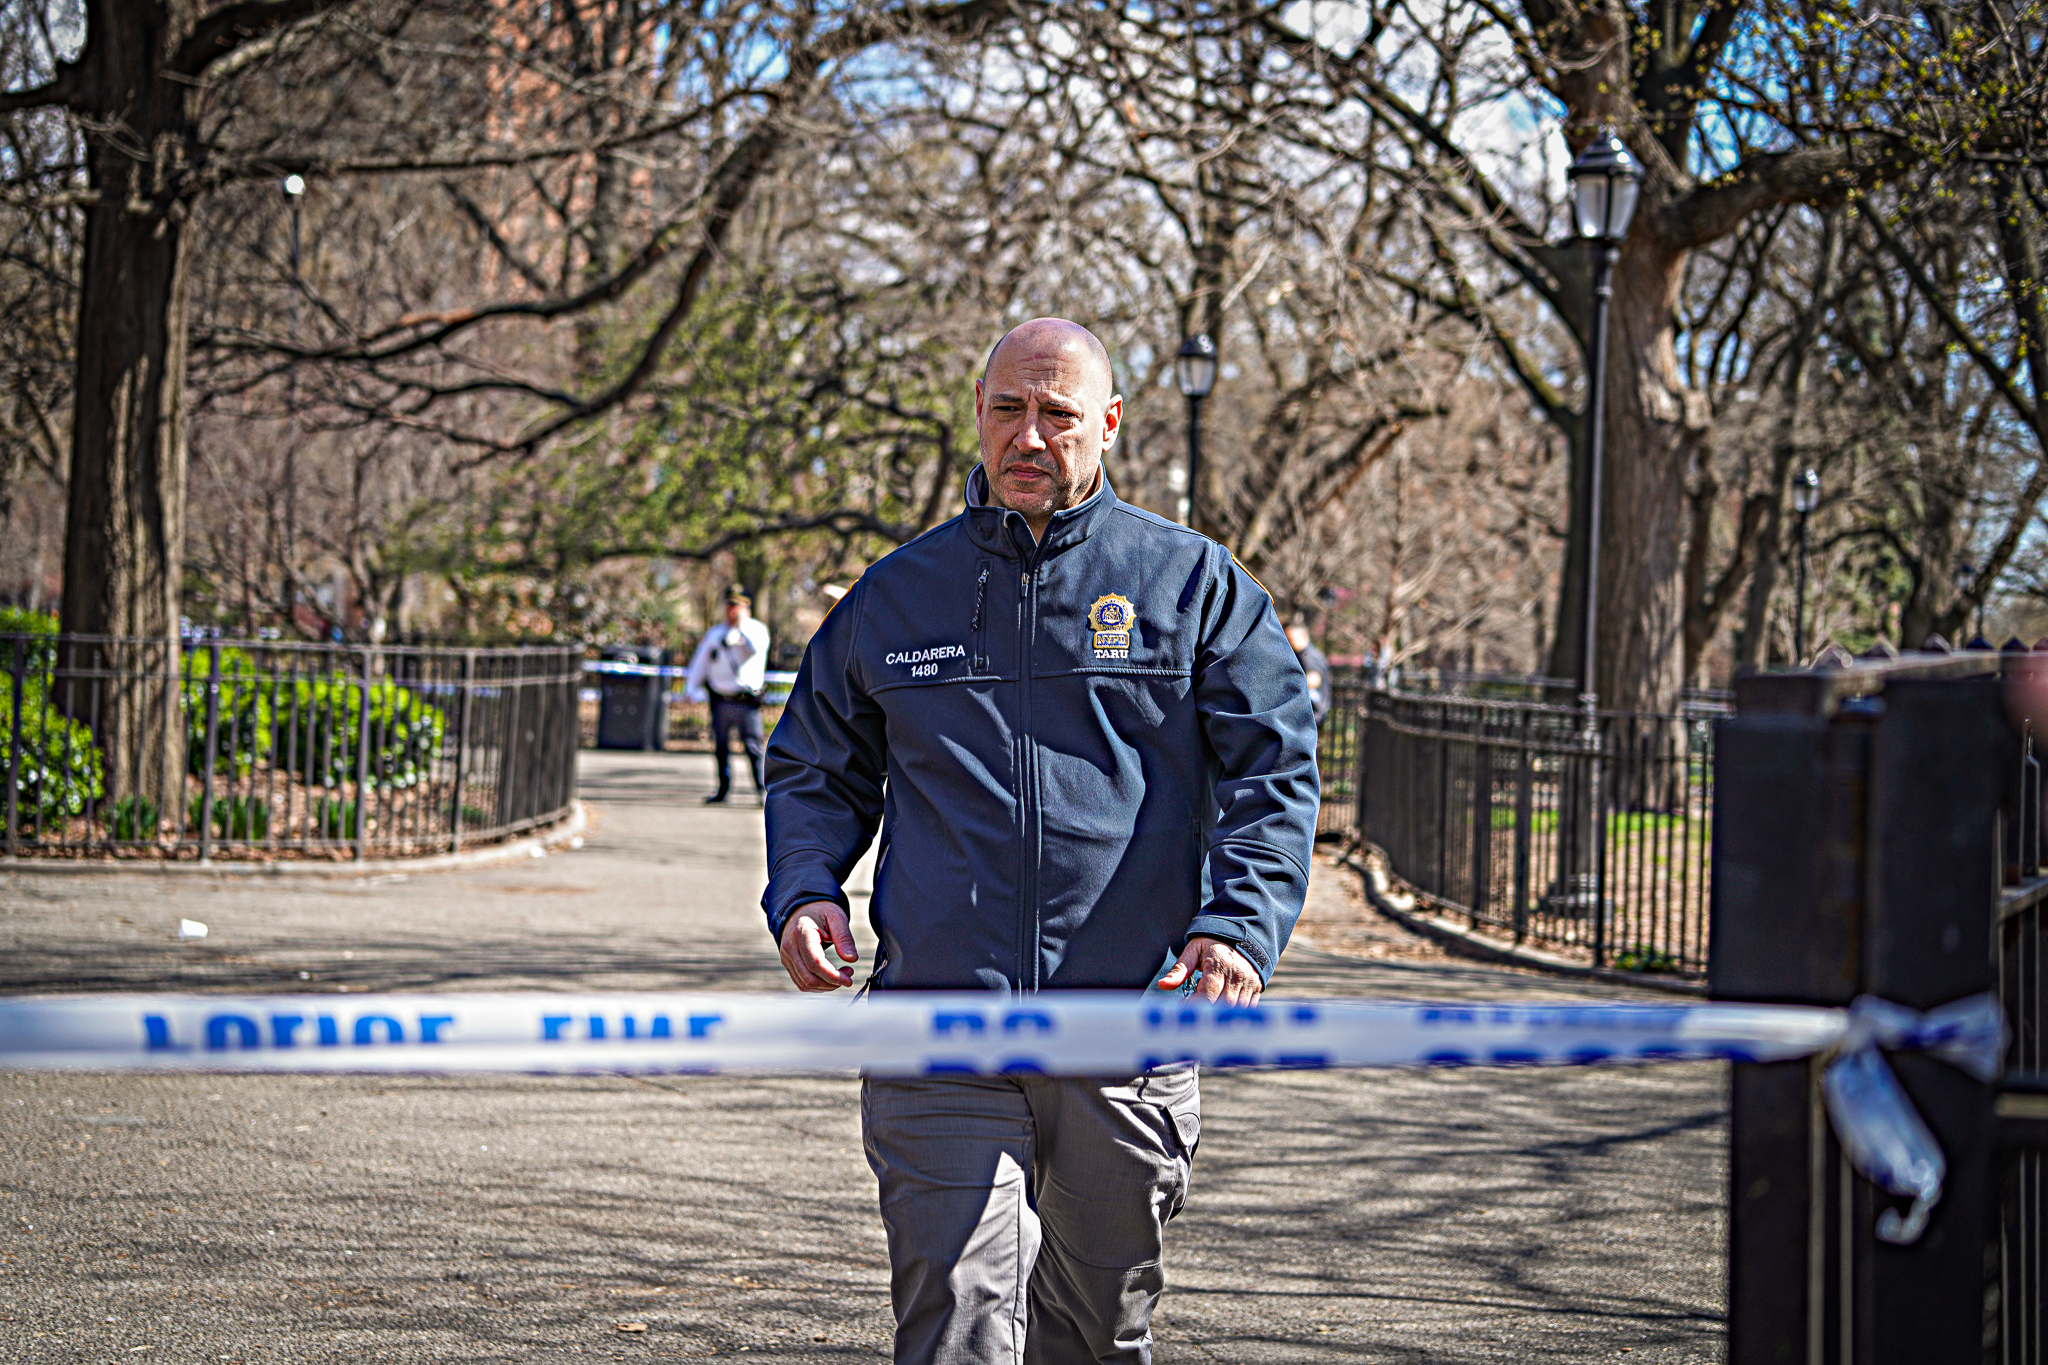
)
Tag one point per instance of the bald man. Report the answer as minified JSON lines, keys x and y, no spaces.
{"x":1090,"y":754}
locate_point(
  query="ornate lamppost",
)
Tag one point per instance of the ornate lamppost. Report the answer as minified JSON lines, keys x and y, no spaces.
{"x":1194,"y":369}
{"x":1805,"y":497}
{"x":294,"y":187}
{"x":1606,"y":182}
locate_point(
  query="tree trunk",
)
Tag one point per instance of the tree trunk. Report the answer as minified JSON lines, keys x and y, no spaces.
{"x":1656,"y":429}
{"x":125,"y":514}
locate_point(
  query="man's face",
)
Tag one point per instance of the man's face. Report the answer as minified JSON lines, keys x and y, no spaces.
{"x":734,"y":613}
{"x":1045,"y":415}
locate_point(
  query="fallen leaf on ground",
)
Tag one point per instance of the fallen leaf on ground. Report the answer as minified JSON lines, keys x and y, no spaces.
{"x":632,"y":1327}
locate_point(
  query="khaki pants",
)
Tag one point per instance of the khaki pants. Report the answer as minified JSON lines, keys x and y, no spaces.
{"x":1026,"y":1213}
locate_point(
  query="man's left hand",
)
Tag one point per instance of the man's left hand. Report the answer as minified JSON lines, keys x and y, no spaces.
{"x":1226,"y":973}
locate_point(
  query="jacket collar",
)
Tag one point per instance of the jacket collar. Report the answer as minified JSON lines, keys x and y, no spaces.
{"x":1002,"y":531}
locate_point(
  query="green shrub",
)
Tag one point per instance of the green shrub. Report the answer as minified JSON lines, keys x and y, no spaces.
{"x":334,"y":818}
{"x":242,"y":730}
{"x":134,"y":819}
{"x":319,"y":743}
{"x":39,"y":655}
{"x":61,"y":771}
{"x":245,"y":818}
{"x":1643,"y":958}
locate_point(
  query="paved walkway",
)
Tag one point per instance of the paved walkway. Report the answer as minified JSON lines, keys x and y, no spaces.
{"x":1378,"y":1216}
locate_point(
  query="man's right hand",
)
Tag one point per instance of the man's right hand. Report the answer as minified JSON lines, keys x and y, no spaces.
{"x":805,"y":935}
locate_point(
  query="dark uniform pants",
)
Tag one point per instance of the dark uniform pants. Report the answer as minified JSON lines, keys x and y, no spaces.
{"x":727,"y":714}
{"x":1026,"y":1214}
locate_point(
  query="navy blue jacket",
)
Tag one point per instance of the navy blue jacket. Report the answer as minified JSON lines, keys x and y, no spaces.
{"x":1064,"y":794}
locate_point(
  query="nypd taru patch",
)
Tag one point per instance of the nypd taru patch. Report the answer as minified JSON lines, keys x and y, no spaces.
{"x":1110,"y":619}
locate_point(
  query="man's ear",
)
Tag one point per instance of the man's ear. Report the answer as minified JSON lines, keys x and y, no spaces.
{"x":1112,"y":419}
{"x":980,"y":391}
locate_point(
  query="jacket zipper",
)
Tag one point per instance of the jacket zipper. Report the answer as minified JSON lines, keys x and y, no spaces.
{"x":974,"y":627}
{"x":1027,"y":916}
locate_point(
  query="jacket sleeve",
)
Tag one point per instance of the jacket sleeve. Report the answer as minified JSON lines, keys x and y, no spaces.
{"x":693,"y":679}
{"x":1260,"y":728}
{"x":824,"y":768}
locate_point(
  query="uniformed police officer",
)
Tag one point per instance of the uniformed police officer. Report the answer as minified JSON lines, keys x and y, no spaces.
{"x":1090,"y":754}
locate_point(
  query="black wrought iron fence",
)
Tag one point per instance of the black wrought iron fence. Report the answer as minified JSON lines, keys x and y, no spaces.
{"x":250,"y":748}
{"x":1508,"y":813}
{"x":1881,"y":833}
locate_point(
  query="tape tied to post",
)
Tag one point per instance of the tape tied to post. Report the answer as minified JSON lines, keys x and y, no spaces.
{"x":900,"y":1033}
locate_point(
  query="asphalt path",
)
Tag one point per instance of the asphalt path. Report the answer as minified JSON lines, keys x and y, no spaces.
{"x":1363,"y":1216}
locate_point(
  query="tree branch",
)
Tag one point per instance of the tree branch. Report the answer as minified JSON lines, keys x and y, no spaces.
{"x":224,"y":30}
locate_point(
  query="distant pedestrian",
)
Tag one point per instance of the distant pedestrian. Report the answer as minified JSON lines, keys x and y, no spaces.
{"x":730,"y":667}
{"x":1316,"y":666}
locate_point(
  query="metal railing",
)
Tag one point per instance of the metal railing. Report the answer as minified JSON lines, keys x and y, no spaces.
{"x":1881,"y":833}
{"x":1509,"y":814}
{"x":256,"y":749}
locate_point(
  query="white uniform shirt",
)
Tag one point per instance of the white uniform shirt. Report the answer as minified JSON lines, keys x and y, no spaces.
{"x":730,"y":659}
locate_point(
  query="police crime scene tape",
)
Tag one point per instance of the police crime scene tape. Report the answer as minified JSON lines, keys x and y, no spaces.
{"x":1072,"y":1033}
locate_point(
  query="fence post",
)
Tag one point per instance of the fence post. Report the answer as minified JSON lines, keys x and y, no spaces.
{"x":1601,"y":778}
{"x":19,"y":669}
{"x":1361,"y":727}
{"x":1779,"y":937}
{"x":1939,"y":761}
{"x":1525,"y":796}
{"x":212,"y":752}
{"x":1482,"y":830}
{"x":467,"y":670}
{"x":363,"y":763}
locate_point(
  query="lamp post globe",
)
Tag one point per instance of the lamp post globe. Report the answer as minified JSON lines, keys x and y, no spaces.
{"x":1806,"y":492}
{"x":1194,"y":366}
{"x":1194,"y":369}
{"x":1606,"y":182}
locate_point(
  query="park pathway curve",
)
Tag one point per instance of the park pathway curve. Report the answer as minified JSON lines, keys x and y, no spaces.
{"x":1371,"y":1217}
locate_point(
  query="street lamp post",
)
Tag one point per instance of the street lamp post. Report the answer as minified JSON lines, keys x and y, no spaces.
{"x":1194,"y":369}
{"x":1605,"y":182}
{"x":1805,"y":497}
{"x":294,"y":187}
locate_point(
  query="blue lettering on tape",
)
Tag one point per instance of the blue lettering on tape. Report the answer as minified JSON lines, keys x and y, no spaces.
{"x":431,"y":1026}
{"x":597,"y":1026}
{"x":1302,"y":1014}
{"x":944,"y":1068}
{"x":157,"y":1030}
{"x":551,"y":1026}
{"x":659,"y":1028}
{"x":702,"y":1024}
{"x":1022,"y":1066}
{"x":1015,"y":1020}
{"x":1303,"y":1061}
{"x":246,"y":1032}
{"x":945,"y":1022}
{"x":283,"y":1026}
{"x":366,"y":1029}
{"x":330,"y":1035}
{"x":1240,"y":1014}
{"x":1447,"y":1058}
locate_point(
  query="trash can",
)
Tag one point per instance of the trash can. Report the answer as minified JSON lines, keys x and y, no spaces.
{"x":632,"y":710}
